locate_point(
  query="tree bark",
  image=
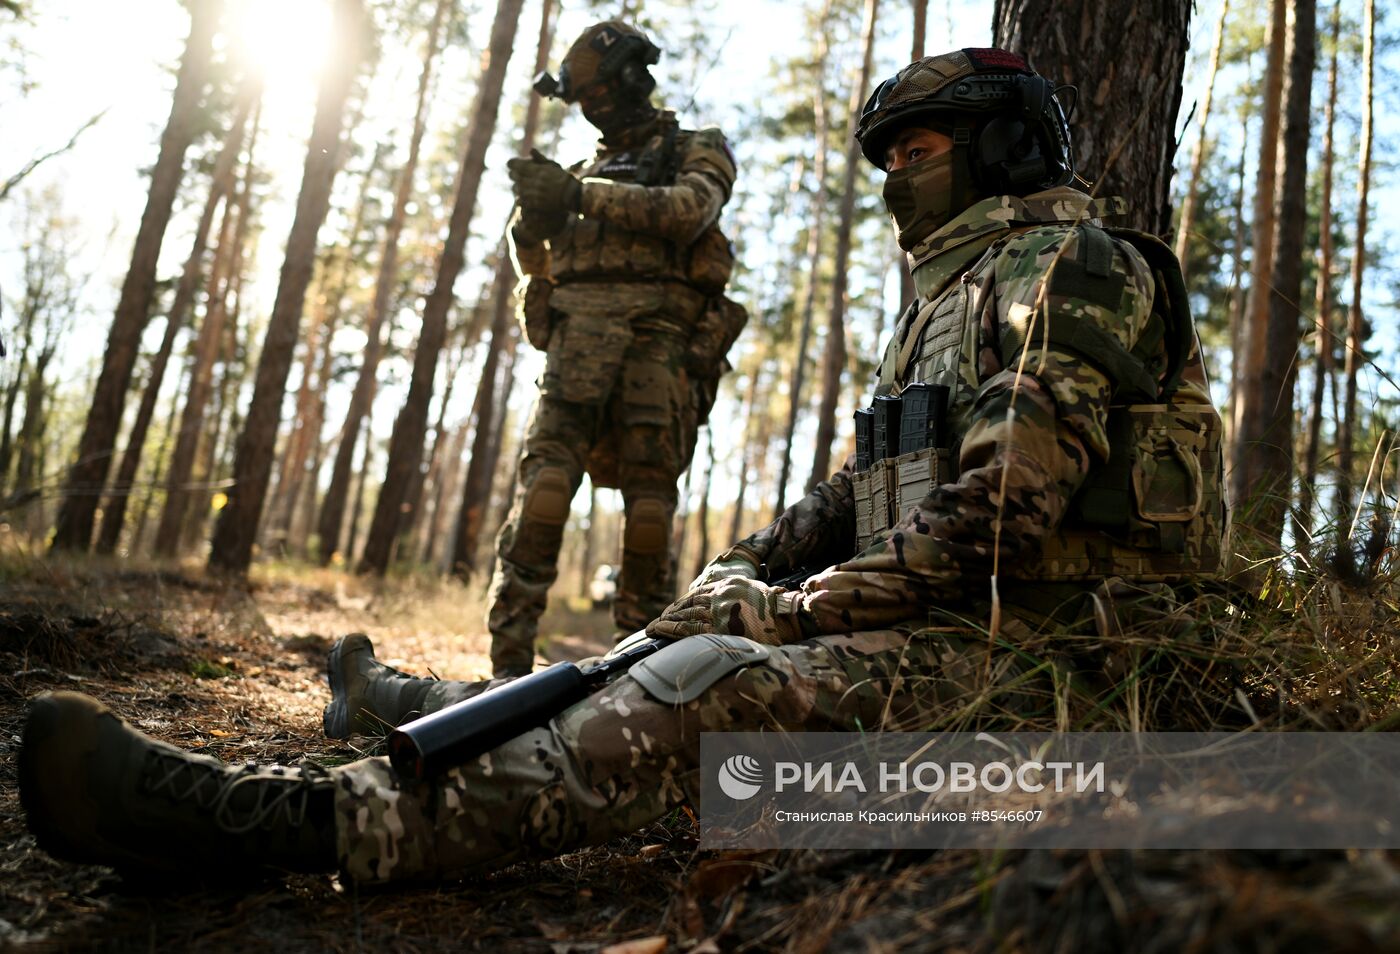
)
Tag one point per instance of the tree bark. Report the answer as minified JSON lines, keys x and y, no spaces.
{"x":332,"y":513}
{"x":1268,"y":467}
{"x":89,"y":471}
{"x":1356,"y":326}
{"x":816,"y":229}
{"x":1127,"y":60}
{"x":1323,"y":347}
{"x":406,"y":441}
{"x":1198,"y":152}
{"x":834,"y":360}
{"x":1254,"y":332}
{"x":234,"y":533}
{"x":220,"y":190}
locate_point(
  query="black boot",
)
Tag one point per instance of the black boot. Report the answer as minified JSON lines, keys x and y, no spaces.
{"x":367,"y":696}
{"x":97,"y":791}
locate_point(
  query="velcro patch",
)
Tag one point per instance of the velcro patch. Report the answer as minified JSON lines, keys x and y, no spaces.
{"x":994,"y":59}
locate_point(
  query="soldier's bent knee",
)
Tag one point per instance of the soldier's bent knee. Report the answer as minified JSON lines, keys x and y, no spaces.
{"x":547,"y":497}
{"x":648,"y":527}
{"x":682,"y":671}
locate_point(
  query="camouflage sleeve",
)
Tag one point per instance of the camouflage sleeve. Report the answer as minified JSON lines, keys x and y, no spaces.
{"x":815,"y":532}
{"x":531,"y":258}
{"x":678,"y":212}
{"x":1031,"y":437}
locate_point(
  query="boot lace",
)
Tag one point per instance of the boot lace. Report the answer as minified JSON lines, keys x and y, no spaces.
{"x":279,"y":793}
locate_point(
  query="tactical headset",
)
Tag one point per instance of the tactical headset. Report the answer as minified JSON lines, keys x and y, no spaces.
{"x":1006,"y":119}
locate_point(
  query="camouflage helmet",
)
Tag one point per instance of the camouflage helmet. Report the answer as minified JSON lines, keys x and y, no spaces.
{"x":608,"y":51}
{"x":1005,"y":116}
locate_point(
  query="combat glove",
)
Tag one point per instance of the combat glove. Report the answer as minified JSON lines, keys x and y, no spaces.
{"x":730,"y":565}
{"x":738,"y":607}
{"x":543,"y":187}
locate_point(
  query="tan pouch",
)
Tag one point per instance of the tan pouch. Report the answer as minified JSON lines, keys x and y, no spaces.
{"x":710,"y":262}
{"x":536,"y":319}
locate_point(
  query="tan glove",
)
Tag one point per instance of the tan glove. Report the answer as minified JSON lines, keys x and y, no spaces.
{"x":738,"y":607}
{"x":729,"y":566}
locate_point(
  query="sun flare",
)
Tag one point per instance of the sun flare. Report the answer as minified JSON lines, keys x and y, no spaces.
{"x":285,"y":41}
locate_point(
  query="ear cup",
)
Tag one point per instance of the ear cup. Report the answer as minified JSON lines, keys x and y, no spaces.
{"x":1005,"y":158}
{"x":635,"y":81}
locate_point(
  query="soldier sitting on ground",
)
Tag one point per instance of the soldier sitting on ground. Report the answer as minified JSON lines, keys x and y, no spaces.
{"x":1076,"y":469}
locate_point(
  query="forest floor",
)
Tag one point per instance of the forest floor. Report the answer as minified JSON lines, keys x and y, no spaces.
{"x":238,"y":672}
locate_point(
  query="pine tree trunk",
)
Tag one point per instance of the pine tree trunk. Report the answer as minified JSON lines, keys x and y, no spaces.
{"x":427,"y":475}
{"x":406,"y":441}
{"x":703,"y":515}
{"x":88,"y":474}
{"x":834,"y":360}
{"x":1254,"y":331}
{"x":751,"y":405}
{"x":476,"y":490}
{"x":1127,"y":60}
{"x":585,"y":568}
{"x":907,"y":292}
{"x":311,"y":394}
{"x":1269,"y":469}
{"x":220,"y":190}
{"x":816,"y":227}
{"x":1235,"y":320}
{"x":1198,"y":152}
{"x":31,"y":428}
{"x":332,"y":513}
{"x":357,"y":507}
{"x":13,"y":386}
{"x":234,"y":533}
{"x":228,"y":263}
{"x":1323,"y":347}
{"x":446,"y":487}
{"x":1356,"y":325}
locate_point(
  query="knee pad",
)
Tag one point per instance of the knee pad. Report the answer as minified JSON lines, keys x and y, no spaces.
{"x":547,"y":497}
{"x":682,"y":671}
{"x":648,"y":529}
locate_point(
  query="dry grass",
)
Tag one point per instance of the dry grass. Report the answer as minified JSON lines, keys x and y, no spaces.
{"x":237,"y":672}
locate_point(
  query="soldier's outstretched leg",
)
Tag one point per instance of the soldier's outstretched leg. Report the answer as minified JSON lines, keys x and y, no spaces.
{"x":95,"y":790}
{"x":630,"y":752}
{"x":527,"y":551}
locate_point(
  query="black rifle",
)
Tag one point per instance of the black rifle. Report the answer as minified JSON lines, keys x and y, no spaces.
{"x":434,"y":743}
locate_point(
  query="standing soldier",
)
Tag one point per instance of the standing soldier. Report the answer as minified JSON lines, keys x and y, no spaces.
{"x":1071,"y":482}
{"x":625,"y":272}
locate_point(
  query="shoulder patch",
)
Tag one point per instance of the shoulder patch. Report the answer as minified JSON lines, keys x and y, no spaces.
{"x":711,"y":138}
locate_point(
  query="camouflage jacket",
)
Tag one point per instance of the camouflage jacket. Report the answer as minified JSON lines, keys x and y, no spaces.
{"x":628,"y":230}
{"x":1029,"y":424}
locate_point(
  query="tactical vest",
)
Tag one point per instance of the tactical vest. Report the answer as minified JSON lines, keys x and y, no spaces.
{"x":593,"y":250}
{"x":1153,"y":511}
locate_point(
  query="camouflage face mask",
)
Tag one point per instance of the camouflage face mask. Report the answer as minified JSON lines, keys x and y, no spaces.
{"x":920,"y":199}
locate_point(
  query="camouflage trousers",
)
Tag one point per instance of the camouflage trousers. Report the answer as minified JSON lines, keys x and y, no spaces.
{"x":621,"y":759}
{"x":614,"y":401}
